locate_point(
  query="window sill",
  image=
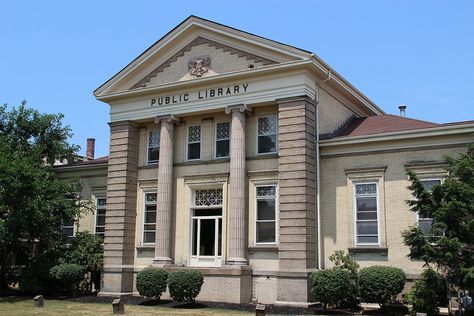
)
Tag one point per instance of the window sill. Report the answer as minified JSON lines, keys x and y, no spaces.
{"x":145,"y":248}
{"x":263,"y":156}
{"x":368,"y":249}
{"x":263,"y":248}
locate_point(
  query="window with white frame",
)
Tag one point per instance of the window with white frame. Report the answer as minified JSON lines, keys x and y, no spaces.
{"x":424,"y":223}
{"x":367,"y":213}
{"x":68,"y":228}
{"x":149,"y":218}
{"x":153,"y":146}
{"x":267,"y":134}
{"x":222,"y":139}
{"x":100,"y":206}
{"x":265,"y":217}
{"x":194,"y":142}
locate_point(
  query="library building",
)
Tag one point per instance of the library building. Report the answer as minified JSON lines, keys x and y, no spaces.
{"x":252,"y":161}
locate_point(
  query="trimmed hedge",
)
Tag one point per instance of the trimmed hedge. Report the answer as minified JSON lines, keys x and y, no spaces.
{"x":151,"y":282}
{"x":332,"y":286}
{"x":379,"y":284}
{"x":185,"y":285}
{"x":68,"y":275}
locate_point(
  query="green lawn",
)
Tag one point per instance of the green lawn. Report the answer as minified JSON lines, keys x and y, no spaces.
{"x":16,"y":306}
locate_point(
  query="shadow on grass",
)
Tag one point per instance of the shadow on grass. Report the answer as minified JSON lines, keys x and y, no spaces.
{"x":194,"y":305}
{"x":15,"y":299}
{"x":155,"y":302}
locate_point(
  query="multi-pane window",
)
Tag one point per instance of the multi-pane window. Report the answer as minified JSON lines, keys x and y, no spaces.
{"x":153,"y":146}
{"x":222,"y":139}
{"x":100,"y":216}
{"x":267,"y":134}
{"x":265,"y":226}
{"x":194,"y":142}
{"x":424,"y":223}
{"x":367,"y":228}
{"x":149,"y":220}
{"x":68,"y":228}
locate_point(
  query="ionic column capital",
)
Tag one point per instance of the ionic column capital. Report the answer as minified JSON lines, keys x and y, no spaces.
{"x":166,"y":118}
{"x":243,"y":108}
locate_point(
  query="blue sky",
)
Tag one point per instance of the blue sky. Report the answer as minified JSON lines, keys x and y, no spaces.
{"x":421,"y":53}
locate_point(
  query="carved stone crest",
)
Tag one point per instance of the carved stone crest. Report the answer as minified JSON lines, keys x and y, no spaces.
{"x":199,"y":66}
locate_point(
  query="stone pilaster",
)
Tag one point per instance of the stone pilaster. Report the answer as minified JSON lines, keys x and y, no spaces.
{"x":119,"y":241}
{"x":237,"y":201}
{"x":164,"y":191}
{"x":296,"y":126}
{"x":297,"y":218}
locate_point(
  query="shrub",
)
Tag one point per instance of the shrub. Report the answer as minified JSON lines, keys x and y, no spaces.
{"x":86,"y":250}
{"x":379,"y":284}
{"x":343,"y":261}
{"x":151,"y":282}
{"x":68,"y":275}
{"x":185,"y":285}
{"x":331,"y":286}
{"x":426,"y":295}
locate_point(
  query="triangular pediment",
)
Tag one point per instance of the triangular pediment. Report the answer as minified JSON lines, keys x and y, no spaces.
{"x":196,"y":49}
{"x":202,"y":58}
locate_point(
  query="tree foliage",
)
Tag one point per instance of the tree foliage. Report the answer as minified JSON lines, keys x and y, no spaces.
{"x":87,"y":251}
{"x":450,"y":245}
{"x":343,"y":261}
{"x":33,"y":202}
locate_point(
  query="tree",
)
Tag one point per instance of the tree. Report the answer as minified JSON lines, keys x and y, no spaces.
{"x":449,"y":247}
{"x":86,"y":250}
{"x":33,"y":202}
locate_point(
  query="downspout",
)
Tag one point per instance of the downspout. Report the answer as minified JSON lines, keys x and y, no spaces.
{"x":318,"y":170}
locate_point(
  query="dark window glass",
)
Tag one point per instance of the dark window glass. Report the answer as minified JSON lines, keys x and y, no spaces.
{"x":222,"y":148}
{"x":194,"y":151}
{"x":153,"y":154}
{"x":266,"y":209}
{"x":265,"y":232}
{"x":153,"y":146}
{"x":266,"y":134}
{"x":266,"y":144}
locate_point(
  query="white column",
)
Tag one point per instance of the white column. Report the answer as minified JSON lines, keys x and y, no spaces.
{"x":237,"y":202}
{"x":164,"y":191}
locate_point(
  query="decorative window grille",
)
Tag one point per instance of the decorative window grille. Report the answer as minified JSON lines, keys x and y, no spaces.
{"x":153,"y":146}
{"x":367,"y":231}
{"x":363,"y":189}
{"x":267,"y":134}
{"x":265,"y":226}
{"x":194,"y":142}
{"x":149,"y":221}
{"x":222,"y":139}
{"x":100,"y":209}
{"x":208,"y":197}
{"x":425,"y":223}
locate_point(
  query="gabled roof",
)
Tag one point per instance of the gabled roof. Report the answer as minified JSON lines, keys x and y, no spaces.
{"x":284,"y":51}
{"x":383,"y":124}
{"x":129,"y":81}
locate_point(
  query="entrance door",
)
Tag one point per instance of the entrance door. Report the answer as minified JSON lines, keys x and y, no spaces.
{"x":206,"y":237}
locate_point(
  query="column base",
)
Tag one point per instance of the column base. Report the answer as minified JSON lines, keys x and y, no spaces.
{"x":237,"y":262}
{"x":161,"y":262}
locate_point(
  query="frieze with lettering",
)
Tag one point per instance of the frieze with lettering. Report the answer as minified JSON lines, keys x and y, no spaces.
{"x":200,"y":95}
